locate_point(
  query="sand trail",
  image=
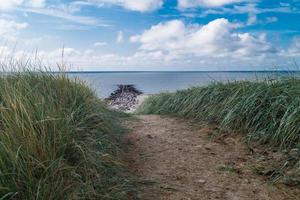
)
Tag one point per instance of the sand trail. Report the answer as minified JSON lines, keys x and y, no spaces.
{"x":174,"y":161}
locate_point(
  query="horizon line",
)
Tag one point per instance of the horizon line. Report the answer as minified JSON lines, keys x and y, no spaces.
{"x":168,"y":71}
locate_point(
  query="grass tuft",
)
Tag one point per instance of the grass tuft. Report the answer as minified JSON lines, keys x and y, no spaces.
{"x":57,"y":141}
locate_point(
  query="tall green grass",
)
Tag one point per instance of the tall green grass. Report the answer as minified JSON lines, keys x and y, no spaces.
{"x":265,"y":111}
{"x":57,"y":141}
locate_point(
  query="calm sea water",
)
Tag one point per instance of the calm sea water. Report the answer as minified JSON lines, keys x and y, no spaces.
{"x":154,"y":82}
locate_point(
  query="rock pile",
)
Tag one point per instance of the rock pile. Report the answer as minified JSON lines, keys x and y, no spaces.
{"x":124,"y":98}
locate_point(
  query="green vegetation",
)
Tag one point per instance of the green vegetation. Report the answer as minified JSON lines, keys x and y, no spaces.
{"x":57,"y":141}
{"x":266,"y":111}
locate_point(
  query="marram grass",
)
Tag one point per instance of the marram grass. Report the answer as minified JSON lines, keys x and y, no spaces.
{"x":57,"y":141}
{"x":266,"y":111}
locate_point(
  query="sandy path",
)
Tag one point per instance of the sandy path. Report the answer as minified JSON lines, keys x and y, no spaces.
{"x":175,"y":162}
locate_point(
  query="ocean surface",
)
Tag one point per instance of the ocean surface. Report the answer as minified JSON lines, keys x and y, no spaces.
{"x":105,"y":83}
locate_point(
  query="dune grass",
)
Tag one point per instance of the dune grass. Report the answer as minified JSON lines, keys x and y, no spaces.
{"x":57,"y":141}
{"x":266,"y":111}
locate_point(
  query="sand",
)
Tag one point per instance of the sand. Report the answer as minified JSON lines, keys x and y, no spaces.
{"x":174,"y":160}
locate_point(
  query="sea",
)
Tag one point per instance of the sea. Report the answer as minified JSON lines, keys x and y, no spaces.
{"x":104,"y":83}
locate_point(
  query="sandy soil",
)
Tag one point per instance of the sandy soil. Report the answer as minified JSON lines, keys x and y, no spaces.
{"x":174,"y":161}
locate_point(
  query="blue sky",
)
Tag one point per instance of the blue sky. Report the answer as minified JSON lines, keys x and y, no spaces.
{"x":153,"y":34}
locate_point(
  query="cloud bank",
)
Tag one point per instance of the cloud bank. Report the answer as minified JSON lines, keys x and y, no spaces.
{"x":205,"y":3}
{"x":174,"y":43}
{"x":11,"y":4}
{"x":215,"y":39}
{"x":135,"y":5}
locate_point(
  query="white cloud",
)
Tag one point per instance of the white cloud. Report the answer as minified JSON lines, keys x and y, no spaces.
{"x":293,"y":50}
{"x":252,"y":19}
{"x":100,"y":44}
{"x":10,"y":27}
{"x":205,"y":3}
{"x":120,"y":37}
{"x":12,"y":4}
{"x":215,"y":39}
{"x":160,"y":33}
{"x":9,"y":4}
{"x":135,"y":5}
{"x":271,"y":19}
{"x":62,"y":14}
{"x":36,"y":3}
{"x":60,"y":11}
{"x":241,"y":57}
{"x":250,"y":8}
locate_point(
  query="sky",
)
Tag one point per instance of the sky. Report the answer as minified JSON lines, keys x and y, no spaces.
{"x":145,"y":35}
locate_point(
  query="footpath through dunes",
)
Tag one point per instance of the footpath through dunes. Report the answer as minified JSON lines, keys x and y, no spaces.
{"x":176,"y":161}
